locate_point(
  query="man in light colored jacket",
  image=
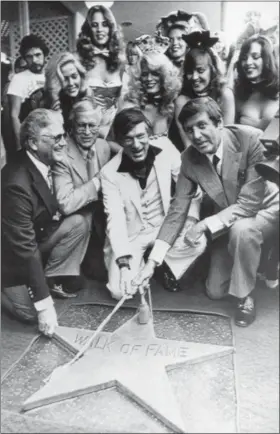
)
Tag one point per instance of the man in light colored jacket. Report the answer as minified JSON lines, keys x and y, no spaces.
{"x":136,"y":186}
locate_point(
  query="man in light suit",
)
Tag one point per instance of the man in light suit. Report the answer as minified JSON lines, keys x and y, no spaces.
{"x":76,"y":174}
{"x":39,"y":246}
{"x":242,"y":210}
{"x":136,"y":187}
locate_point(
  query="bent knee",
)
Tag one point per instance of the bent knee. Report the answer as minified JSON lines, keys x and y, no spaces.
{"x":215,"y":292}
{"x":78,"y":223}
{"x":245,"y":230}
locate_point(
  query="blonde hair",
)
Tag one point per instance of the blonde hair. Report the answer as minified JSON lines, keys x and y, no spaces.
{"x":55,"y":79}
{"x":170,"y":83}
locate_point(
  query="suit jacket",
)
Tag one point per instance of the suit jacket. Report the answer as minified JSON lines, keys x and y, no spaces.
{"x":241,"y":192}
{"x":28,"y":209}
{"x":122,"y":196}
{"x":73,"y":188}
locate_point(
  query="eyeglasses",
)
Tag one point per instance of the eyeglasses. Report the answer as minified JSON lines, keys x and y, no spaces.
{"x":57,"y":138}
{"x":81,"y":128}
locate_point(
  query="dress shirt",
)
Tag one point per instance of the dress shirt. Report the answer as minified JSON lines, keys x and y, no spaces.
{"x":219,"y":154}
{"x":44,"y":170}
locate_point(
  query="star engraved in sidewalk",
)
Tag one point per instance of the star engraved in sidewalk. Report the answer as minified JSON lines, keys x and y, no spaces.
{"x":131,"y":358}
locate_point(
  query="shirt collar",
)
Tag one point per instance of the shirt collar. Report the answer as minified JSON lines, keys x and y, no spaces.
{"x":127,"y":164}
{"x":43,"y":169}
{"x":218,"y":153}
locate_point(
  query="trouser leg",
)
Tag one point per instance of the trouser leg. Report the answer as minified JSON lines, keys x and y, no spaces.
{"x":16,"y":301}
{"x":68,"y":246}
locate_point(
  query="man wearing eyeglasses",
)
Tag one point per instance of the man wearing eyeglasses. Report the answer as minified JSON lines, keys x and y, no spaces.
{"x":39,"y":246}
{"x":76,"y":175}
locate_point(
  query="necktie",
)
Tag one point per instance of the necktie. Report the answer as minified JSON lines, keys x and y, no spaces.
{"x":215,"y":164}
{"x":91,"y":164}
{"x":50,"y":180}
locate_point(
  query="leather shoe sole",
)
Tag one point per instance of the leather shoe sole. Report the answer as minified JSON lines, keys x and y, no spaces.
{"x":58,"y":292}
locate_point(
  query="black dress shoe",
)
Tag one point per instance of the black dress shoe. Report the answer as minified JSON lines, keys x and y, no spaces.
{"x":166,"y":278}
{"x":246,"y":312}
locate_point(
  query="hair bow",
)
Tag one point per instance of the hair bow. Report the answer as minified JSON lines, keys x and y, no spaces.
{"x":98,"y":52}
{"x":200,"y":39}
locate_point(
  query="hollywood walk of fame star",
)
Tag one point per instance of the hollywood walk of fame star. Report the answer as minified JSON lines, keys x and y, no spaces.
{"x":133,"y":359}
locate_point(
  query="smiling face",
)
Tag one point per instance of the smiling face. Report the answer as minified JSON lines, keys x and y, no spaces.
{"x":203,"y":134}
{"x":136,"y":143}
{"x":51,"y":141}
{"x":200,"y":73}
{"x":252,"y":63}
{"x":71,"y":79}
{"x":178,"y":46}
{"x":100,"y":29}
{"x":151,"y":79}
{"x":86,"y":128}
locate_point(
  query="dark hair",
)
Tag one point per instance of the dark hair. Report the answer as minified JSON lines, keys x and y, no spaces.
{"x":32,"y":41}
{"x":269,"y":86}
{"x":85,"y":40}
{"x":125,"y":121}
{"x":217,"y":81}
{"x":201,"y":105}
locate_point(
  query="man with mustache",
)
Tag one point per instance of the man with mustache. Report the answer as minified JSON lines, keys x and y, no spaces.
{"x":25,"y":91}
{"x":241,"y":211}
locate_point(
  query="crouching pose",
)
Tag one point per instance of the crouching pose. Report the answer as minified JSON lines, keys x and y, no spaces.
{"x":41,"y":249}
{"x":242,"y":210}
{"x":136,"y":187}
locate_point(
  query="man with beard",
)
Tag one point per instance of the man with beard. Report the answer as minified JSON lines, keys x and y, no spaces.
{"x":25,"y":90}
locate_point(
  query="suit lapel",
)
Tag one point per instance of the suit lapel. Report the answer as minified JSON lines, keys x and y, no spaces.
{"x":230,"y":165}
{"x":131,"y":185}
{"x":162,"y":168}
{"x":209,"y":179}
{"x":41,"y":187}
{"x":78,"y":163}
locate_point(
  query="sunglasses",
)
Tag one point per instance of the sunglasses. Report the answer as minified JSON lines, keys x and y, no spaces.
{"x":57,"y":139}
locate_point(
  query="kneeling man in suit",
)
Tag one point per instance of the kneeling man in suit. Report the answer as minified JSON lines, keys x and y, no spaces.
{"x":242,"y":209}
{"x":136,"y":187}
{"x":39,"y":246}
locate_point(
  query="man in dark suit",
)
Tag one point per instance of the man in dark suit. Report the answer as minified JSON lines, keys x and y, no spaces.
{"x":240,"y":209}
{"x":39,"y":247}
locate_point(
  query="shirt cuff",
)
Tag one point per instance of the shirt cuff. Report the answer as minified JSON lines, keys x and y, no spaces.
{"x":96,"y":183}
{"x":123,"y":261}
{"x":159,"y":251}
{"x":43,"y":304}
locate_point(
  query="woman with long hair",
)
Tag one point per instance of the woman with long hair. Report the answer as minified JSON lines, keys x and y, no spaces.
{"x":101,"y":51}
{"x":257,"y":85}
{"x":65,"y":83}
{"x":154,"y":89}
{"x":203,"y":76}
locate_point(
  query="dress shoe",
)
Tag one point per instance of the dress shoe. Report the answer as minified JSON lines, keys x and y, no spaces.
{"x":246,"y":312}
{"x":57,"y":289}
{"x":166,"y":278}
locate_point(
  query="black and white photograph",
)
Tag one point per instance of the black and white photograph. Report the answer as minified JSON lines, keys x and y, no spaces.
{"x":140,"y":216}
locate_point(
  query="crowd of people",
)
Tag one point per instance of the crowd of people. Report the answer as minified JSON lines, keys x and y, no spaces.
{"x":143,"y":154}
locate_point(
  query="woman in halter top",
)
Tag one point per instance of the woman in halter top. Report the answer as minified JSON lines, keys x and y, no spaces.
{"x":257,"y":86}
{"x":101,"y":52}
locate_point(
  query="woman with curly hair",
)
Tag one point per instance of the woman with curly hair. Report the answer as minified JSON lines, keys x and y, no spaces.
{"x":65,"y":83}
{"x":257,"y":86}
{"x":101,"y":52}
{"x":203,"y":76}
{"x":154,"y":90}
